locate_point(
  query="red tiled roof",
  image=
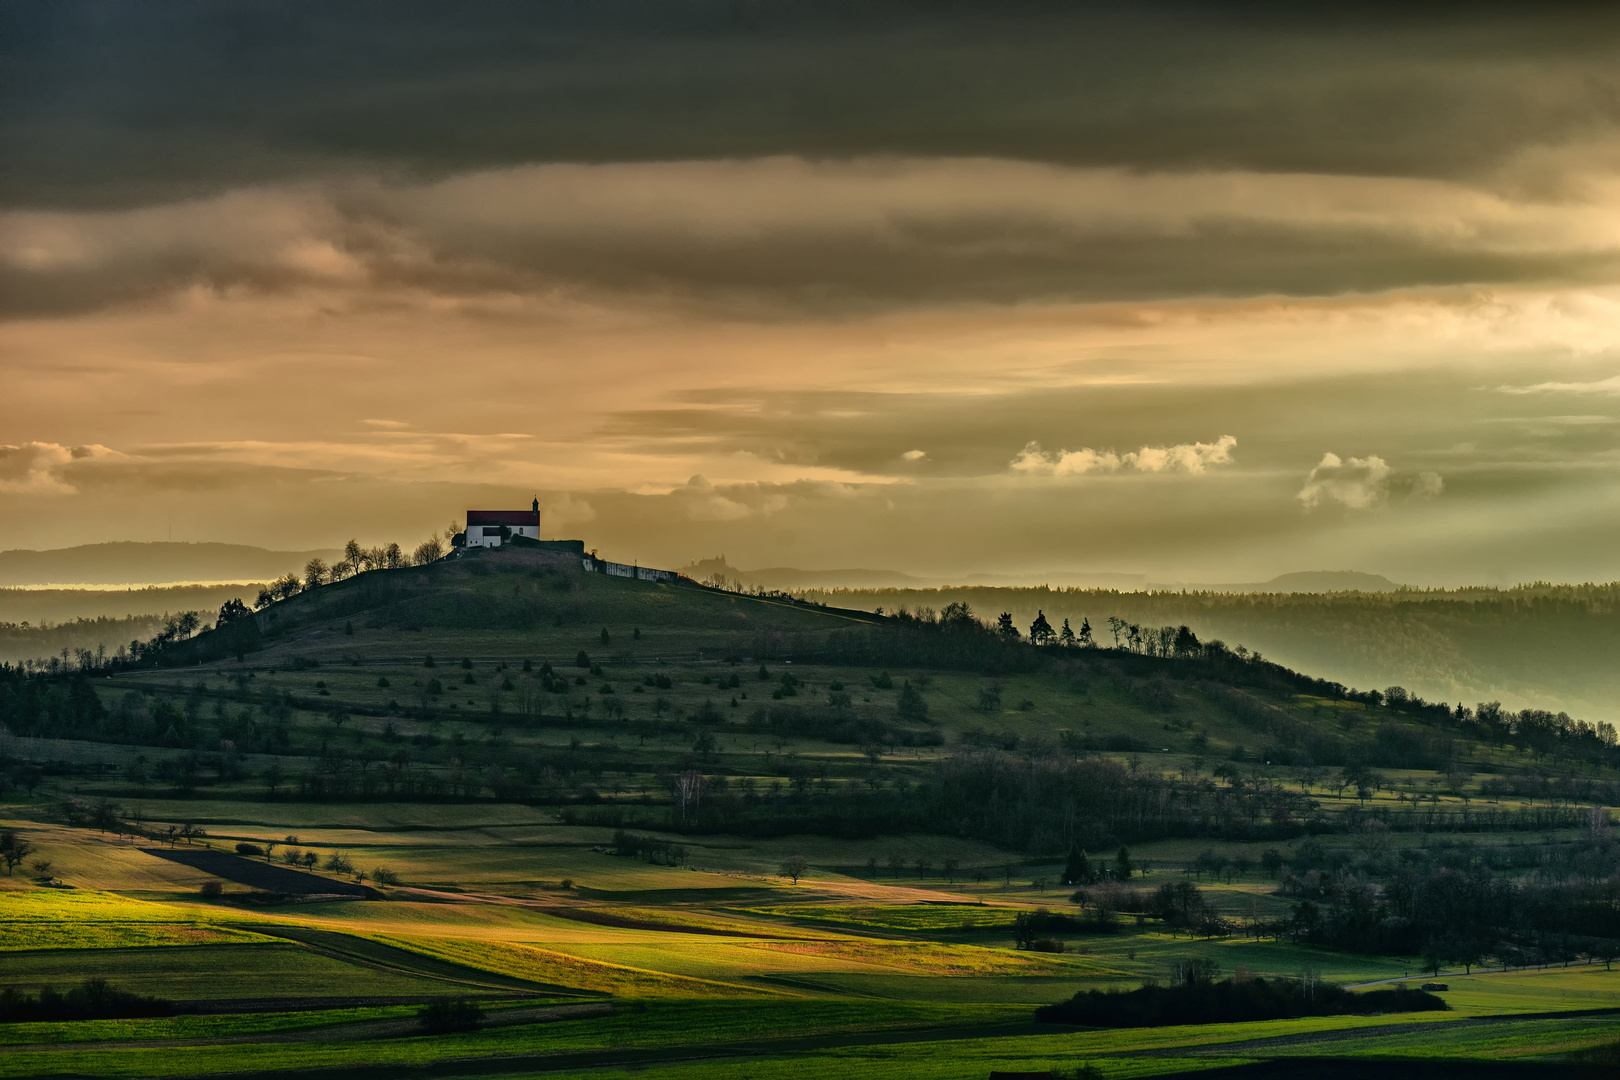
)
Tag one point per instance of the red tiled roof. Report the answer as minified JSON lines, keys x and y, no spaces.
{"x":502,"y":517}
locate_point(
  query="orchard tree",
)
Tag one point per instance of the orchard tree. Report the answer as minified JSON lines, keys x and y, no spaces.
{"x":794,"y":867}
{"x":428,"y":551}
{"x":13,"y":850}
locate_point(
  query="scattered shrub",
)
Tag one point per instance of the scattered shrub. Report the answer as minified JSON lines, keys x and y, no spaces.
{"x":1198,"y":1000}
{"x":91,"y":1000}
{"x":443,"y":1017}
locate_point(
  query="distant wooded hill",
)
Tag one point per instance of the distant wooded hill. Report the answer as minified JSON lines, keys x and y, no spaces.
{"x":789,"y":577}
{"x":129,"y":563}
{"x":1546,"y":646}
{"x":792,"y":578}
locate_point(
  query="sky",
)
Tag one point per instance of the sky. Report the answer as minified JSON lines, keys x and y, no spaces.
{"x":945,"y":288}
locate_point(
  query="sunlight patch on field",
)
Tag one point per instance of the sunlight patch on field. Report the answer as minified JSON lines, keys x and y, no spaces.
{"x":115,"y":935}
{"x":924,"y":958}
{"x":566,"y":969}
{"x":49,"y":905}
{"x":1550,"y":990}
{"x":100,"y":862}
{"x":935,"y":918}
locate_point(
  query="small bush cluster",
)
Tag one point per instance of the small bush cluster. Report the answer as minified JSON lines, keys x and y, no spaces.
{"x":648,"y":848}
{"x":443,"y":1017}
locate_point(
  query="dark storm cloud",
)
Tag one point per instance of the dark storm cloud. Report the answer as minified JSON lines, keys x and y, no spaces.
{"x":117,"y":103}
{"x":791,"y":234}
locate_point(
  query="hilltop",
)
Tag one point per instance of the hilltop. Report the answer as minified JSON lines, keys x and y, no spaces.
{"x":519,"y":648}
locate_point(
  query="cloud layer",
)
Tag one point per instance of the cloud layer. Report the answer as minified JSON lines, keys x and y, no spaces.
{"x":1183,"y":457}
{"x":815,"y":235}
{"x":1363,"y":483}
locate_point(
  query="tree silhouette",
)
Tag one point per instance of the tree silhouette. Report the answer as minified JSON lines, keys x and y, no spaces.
{"x":911,"y":705}
{"x":13,"y":850}
{"x":1040,"y":631}
{"x":428,"y":551}
{"x":1116,"y":626}
{"x":1066,"y":635}
{"x":1078,"y":870}
{"x":231,"y":611}
{"x":1186,"y":642}
{"x":1085,"y":633}
{"x":794,"y":867}
{"x":1006,"y":627}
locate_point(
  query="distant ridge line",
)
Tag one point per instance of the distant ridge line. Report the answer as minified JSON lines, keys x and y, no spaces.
{"x":160,"y":562}
{"x":790,"y":578}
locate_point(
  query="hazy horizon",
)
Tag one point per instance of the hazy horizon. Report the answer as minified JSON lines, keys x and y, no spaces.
{"x":1201,"y":295}
{"x":118,"y":565}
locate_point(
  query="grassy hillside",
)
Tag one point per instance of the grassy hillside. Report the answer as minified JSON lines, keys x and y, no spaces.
{"x":764,"y":837}
{"x":1536,"y":646}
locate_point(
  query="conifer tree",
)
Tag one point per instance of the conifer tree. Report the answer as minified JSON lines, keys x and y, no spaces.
{"x":1078,"y":870}
{"x":1040,"y":631}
